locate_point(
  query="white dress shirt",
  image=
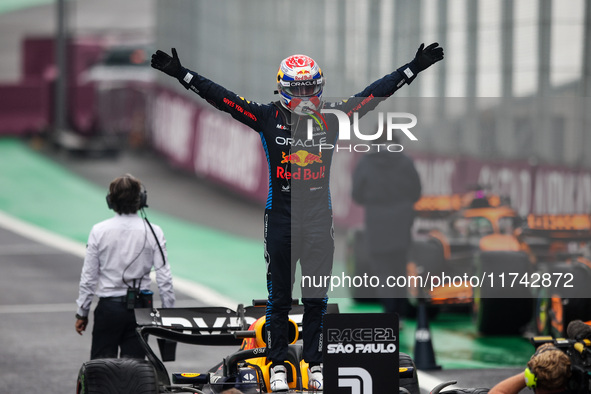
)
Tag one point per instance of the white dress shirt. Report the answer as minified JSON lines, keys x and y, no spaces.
{"x":122,"y":250}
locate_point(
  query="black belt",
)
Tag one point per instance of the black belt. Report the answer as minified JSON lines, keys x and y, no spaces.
{"x":115,"y":299}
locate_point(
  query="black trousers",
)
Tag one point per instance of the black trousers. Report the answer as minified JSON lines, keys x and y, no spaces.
{"x":383,"y":265}
{"x":310,"y":241}
{"x":114,"y":331}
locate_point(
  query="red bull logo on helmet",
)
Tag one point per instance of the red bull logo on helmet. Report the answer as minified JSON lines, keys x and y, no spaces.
{"x":303,"y":74}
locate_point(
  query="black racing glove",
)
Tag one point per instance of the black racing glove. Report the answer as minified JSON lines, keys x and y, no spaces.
{"x":426,"y":57}
{"x":167,"y":64}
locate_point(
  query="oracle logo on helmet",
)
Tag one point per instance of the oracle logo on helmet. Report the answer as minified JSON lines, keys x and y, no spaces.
{"x":300,"y":83}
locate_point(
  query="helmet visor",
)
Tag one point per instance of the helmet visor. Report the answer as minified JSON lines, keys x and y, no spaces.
{"x":302,"y":88}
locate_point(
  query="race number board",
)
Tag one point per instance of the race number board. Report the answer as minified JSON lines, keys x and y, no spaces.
{"x":360,"y":353}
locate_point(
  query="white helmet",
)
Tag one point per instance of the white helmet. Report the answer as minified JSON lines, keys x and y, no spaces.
{"x":300,"y":83}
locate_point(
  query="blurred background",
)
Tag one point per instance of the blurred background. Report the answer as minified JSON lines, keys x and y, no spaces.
{"x":510,"y":97}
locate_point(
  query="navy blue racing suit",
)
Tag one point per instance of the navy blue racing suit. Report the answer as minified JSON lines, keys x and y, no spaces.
{"x":298,"y":213}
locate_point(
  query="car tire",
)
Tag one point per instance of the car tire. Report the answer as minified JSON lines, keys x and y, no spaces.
{"x":425,"y":256}
{"x":428,"y":256}
{"x":410,"y":384}
{"x":117,"y":376}
{"x":503,"y":316}
{"x":503,"y":310}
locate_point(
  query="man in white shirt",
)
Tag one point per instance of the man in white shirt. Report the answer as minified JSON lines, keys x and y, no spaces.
{"x":120,"y":254}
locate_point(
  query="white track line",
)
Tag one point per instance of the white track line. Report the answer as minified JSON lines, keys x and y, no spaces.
{"x":41,"y":235}
{"x":27,"y":249}
{"x":28,"y":230}
{"x":38,"y":308}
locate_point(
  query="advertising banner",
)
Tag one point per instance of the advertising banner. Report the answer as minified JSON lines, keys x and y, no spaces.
{"x":360,"y":353}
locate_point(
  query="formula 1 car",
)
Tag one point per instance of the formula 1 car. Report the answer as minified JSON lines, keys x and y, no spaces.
{"x":477,"y":245}
{"x":246,"y":369}
{"x":460,"y":236}
{"x":506,"y":270}
{"x":535,"y":269}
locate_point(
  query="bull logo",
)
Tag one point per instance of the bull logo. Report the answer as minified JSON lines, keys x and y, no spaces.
{"x":302,"y":158}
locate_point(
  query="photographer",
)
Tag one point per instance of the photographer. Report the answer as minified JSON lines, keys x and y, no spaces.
{"x":120,"y":254}
{"x":548,"y":371}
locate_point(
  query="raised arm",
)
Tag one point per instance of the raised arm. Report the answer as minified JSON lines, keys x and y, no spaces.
{"x":247,"y":112}
{"x":383,"y":88}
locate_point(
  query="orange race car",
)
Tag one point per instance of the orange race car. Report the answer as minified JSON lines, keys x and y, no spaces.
{"x":474,"y":250}
{"x":514,"y":269}
{"x":462,"y":260}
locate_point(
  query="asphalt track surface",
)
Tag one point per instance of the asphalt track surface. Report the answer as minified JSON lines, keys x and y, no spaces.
{"x":40,"y":351}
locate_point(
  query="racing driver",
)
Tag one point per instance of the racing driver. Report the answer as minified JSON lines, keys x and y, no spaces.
{"x":298,"y":222}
